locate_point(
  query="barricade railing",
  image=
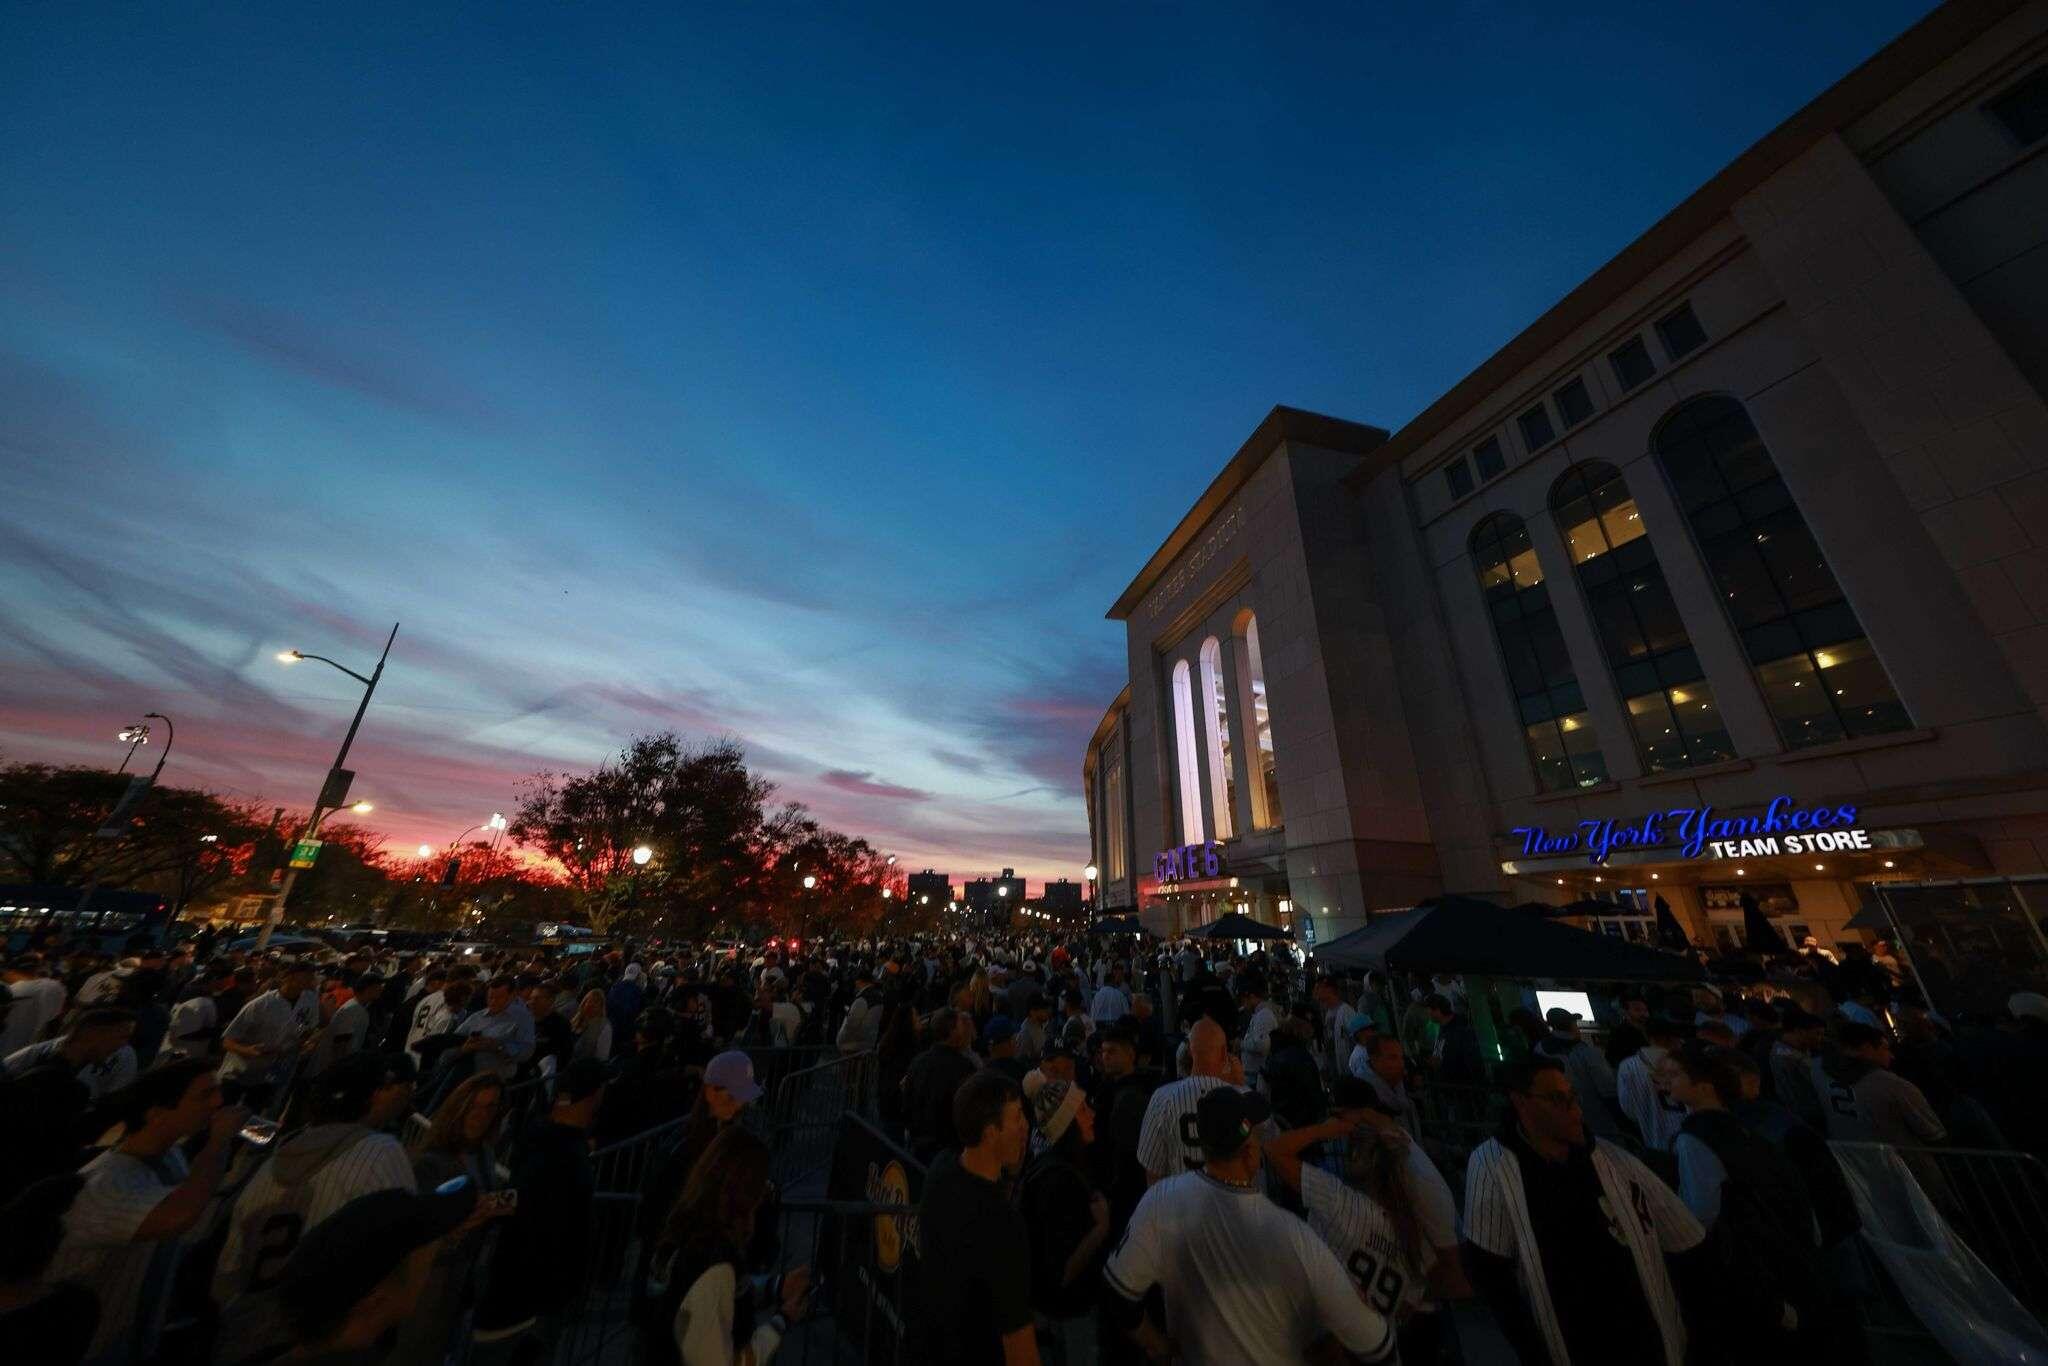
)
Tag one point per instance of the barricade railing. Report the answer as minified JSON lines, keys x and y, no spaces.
{"x":771,"y":1065}
{"x":1994,"y":1201}
{"x":600,"y":1329}
{"x":804,"y":1111}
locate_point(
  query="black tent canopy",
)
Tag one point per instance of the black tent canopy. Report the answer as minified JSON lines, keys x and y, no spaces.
{"x":1237,"y":925}
{"x":1466,"y":935}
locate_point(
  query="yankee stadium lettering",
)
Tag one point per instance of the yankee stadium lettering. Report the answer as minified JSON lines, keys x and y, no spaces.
{"x":1701,"y":832}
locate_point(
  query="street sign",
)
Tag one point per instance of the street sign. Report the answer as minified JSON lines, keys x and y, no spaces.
{"x":334,"y":792}
{"x":117,"y":819}
{"x":304,"y":853}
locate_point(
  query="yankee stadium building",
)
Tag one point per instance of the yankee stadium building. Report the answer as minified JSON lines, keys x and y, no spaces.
{"x":1727,"y":577}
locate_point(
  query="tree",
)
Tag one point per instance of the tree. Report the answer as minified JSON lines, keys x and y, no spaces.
{"x":179,"y":841}
{"x":696,"y":806}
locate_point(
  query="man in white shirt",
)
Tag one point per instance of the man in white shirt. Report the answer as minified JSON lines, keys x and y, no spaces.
{"x":501,"y":1034}
{"x":38,"y":1001}
{"x":1655,"y":1115}
{"x":349,"y":1029}
{"x":1244,"y":1280}
{"x":123,"y":1232}
{"x":1386,"y":1072}
{"x":1167,"y":1139}
{"x":1111,"y":1002}
{"x":1260,"y":1022}
{"x":438,"y":1013}
{"x":261,"y":1044}
{"x":195,"y":1019}
{"x":96,"y":1047}
{"x":338,"y":1157}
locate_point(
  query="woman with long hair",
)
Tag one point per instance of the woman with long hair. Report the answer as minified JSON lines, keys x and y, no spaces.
{"x":457,"y":1143}
{"x":591,"y":1028}
{"x":981,"y":999}
{"x":1390,"y":1218}
{"x":701,"y":1261}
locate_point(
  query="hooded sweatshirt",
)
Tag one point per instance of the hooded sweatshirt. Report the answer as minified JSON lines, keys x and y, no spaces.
{"x":313,"y":1174}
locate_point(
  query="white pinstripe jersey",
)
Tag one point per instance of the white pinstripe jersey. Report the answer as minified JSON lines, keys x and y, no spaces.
{"x":1656,"y":1115}
{"x":1365,"y":1240}
{"x":1167,"y":1141}
{"x":1643,"y":1214}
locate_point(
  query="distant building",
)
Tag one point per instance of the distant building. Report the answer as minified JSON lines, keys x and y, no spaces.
{"x":1062,"y":898}
{"x":937,"y":888}
{"x":994,"y":899}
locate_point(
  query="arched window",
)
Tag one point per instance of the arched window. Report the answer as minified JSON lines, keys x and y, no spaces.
{"x":1113,"y":800}
{"x":1189,"y":764}
{"x":1258,"y":725}
{"x":1559,"y":733}
{"x":1670,"y":707}
{"x":1222,"y":776}
{"x":1819,"y":675}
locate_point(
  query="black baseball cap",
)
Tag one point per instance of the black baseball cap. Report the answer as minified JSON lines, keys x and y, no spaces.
{"x":345,"y":1256}
{"x":1225,"y":1118}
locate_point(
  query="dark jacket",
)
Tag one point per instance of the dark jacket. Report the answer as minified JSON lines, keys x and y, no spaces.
{"x":542,"y":1252}
{"x":928,"y":1090}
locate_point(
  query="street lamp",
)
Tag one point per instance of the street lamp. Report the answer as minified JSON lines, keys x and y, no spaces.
{"x":887,"y":894}
{"x":809,"y":882}
{"x":641,"y":854}
{"x":1088,"y":876}
{"x":335,"y":788}
{"x":426,"y":851}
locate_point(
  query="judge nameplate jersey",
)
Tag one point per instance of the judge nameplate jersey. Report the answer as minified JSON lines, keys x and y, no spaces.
{"x":1365,"y":1241}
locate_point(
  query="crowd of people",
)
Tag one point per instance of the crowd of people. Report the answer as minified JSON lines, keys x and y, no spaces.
{"x":1131,"y":1151}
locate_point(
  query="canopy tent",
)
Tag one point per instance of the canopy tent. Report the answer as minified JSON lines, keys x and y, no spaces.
{"x":1237,"y":925}
{"x":1583,"y":906}
{"x":1466,"y":935}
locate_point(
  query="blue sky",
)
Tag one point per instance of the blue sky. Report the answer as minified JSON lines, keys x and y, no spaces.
{"x":813,"y":375}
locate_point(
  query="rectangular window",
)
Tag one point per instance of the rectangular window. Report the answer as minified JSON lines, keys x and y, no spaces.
{"x":1681,"y":332}
{"x":1113,"y":798}
{"x":2024,"y":109}
{"x":1536,"y":429}
{"x":1632,"y":363}
{"x":1574,"y":404}
{"x":1459,"y":476}
{"x":1487,"y":458}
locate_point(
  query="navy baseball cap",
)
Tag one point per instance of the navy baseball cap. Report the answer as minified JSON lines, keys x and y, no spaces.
{"x":999,"y":1029}
{"x":1225,"y":1118}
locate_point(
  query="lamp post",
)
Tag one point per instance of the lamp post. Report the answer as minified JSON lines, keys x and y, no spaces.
{"x":1088,"y":876}
{"x":138,"y":788}
{"x":335,"y":789}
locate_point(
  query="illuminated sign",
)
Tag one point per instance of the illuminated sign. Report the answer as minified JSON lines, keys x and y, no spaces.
{"x":1187,"y":861}
{"x":1701,"y":832}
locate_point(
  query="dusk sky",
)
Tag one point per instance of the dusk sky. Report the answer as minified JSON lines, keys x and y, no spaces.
{"x":811,"y":376}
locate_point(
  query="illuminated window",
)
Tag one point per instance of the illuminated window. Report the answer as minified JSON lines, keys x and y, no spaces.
{"x":1189,"y":764}
{"x":1113,"y":824}
{"x":1670,"y":707}
{"x":1258,"y":725}
{"x":1819,"y":675}
{"x":1562,"y":745}
{"x":1222,"y":777}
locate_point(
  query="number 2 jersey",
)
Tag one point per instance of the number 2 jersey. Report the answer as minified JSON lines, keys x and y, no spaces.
{"x":311,"y":1175}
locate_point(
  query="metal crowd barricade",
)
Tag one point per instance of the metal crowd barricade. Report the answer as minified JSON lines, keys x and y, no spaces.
{"x":1995,"y":1202}
{"x":804,"y":1111}
{"x":771,"y":1065}
{"x":601,"y":1329}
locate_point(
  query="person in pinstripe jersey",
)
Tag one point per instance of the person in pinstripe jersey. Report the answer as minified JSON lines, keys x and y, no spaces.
{"x":1168,"y":1141}
{"x":1579,"y":1249}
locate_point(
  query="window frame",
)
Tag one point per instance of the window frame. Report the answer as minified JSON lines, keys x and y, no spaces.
{"x":1683,"y":310}
{"x":1622,"y":381}
{"x":1576,"y":383}
{"x":1540,"y":411}
{"x":1485,"y":450}
{"x":1187,"y":757}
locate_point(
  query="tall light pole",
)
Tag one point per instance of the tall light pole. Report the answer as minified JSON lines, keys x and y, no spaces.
{"x":1088,"y":876}
{"x":334,"y":791}
{"x":138,"y":788}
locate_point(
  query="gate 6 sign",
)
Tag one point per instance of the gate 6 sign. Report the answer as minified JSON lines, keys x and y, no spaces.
{"x":1187,"y":862}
